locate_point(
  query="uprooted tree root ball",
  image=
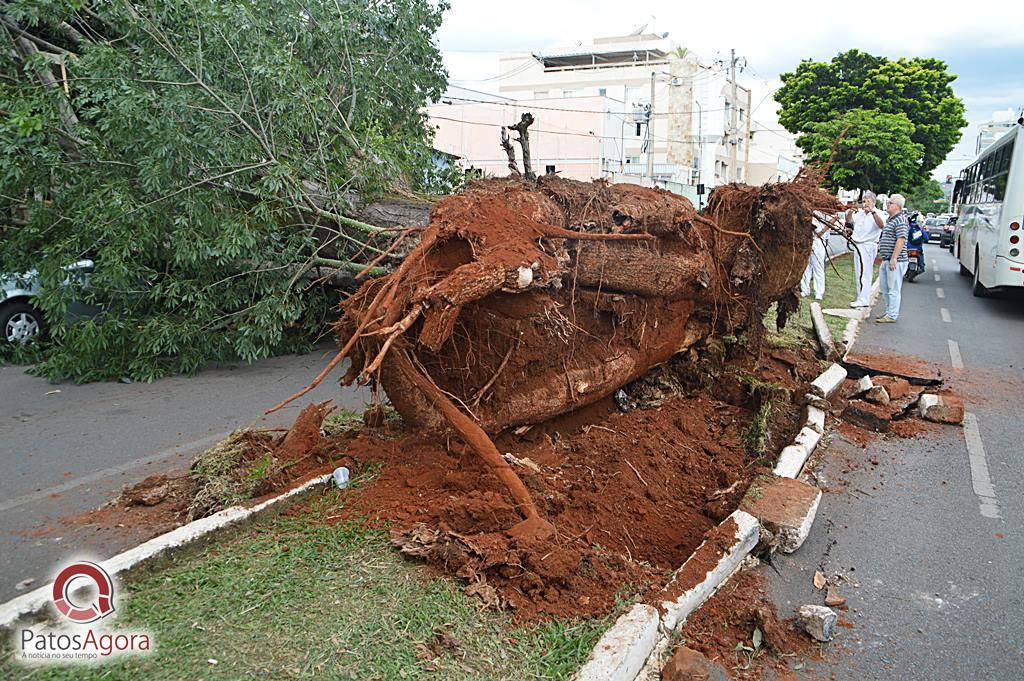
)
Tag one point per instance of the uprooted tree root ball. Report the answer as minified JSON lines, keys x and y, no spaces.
{"x":524,"y":301}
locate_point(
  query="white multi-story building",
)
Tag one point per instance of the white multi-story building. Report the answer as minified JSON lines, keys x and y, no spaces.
{"x":992,"y":130}
{"x":675,"y":124}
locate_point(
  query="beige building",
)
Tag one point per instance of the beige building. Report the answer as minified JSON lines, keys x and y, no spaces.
{"x":675,"y":123}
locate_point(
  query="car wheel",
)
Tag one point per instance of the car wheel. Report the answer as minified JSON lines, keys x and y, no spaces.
{"x":20,"y":322}
{"x":977,"y":289}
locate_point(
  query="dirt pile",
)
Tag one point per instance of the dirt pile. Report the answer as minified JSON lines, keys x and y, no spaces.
{"x":739,"y":629}
{"x":630,"y":495}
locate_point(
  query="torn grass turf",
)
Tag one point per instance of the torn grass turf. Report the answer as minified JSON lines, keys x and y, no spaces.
{"x":840,"y":291}
{"x":297,"y":597}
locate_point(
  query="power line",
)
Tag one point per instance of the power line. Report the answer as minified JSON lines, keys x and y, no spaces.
{"x":519,"y":104}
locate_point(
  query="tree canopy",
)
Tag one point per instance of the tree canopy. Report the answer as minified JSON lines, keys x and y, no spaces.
{"x":919,"y":89}
{"x":876,"y":152}
{"x":205,"y":155}
{"x":923,"y":197}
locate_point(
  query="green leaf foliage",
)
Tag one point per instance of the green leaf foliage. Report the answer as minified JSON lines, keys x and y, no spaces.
{"x":876,"y":152}
{"x":919,"y":89}
{"x":204,"y":154}
{"x":924,"y":196}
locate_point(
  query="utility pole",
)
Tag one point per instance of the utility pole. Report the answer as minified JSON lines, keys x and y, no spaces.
{"x":733,"y":124}
{"x":650,"y":135}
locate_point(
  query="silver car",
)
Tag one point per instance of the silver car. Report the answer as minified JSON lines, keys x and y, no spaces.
{"x":20,"y":319}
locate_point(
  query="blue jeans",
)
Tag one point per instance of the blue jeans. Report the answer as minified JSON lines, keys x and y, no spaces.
{"x":891,"y":282}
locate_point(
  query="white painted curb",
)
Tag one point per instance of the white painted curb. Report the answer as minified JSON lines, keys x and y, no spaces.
{"x":791,"y":461}
{"x":622,"y":650}
{"x":747,"y":533}
{"x":35,"y":603}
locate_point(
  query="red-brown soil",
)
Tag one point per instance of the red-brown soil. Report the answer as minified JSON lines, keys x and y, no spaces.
{"x":630,"y":495}
{"x":729,"y":618}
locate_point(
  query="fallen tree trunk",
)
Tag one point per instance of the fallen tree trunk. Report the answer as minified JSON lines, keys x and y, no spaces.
{"x":524,"y":301}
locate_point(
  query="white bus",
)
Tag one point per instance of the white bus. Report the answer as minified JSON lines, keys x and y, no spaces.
{"x":989,"y":199}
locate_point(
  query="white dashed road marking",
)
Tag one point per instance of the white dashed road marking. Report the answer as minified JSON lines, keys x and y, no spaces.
{"x":938,"y":278}
{"x":940,"y":293}
{"x":980,"y":481}
{"x":945,"y":315}
{"x":954,"y":355}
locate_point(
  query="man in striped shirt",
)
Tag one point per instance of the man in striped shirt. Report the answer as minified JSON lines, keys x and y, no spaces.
{"x":892,"y":252}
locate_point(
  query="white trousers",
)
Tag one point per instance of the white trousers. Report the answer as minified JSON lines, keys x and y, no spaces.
{"x":864,"y":266}
{"x":815,"y":271}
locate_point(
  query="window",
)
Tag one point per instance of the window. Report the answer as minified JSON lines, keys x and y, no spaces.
{"x":540,"y":94}
{"x":633,"y":159}
{"x":570,"y":93}
{"x":549,"y":170}
{"x":602,"y":92}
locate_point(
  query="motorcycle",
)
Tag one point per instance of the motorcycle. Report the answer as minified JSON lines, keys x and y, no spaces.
{"x":914,"y":268}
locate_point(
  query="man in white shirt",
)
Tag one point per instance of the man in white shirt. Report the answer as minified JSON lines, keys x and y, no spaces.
{"x":815,"y":271}
{"x":867,"y":225}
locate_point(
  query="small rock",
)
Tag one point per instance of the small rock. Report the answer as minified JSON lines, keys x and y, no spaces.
{"x":864,"y":384}
{"x":689,"y":665}
{"x":832,"y":598}
{"x":941,"y":408}
{"x":818,"y":621}
{"x":24,"y":584}
{"x":877,"y":395}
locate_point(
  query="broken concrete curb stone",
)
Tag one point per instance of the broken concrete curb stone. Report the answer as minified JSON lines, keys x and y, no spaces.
{"x":941,"y":408}
{"x":621,"y":652}
{"x":864,"y":384}
{"x":818,"y":621}
{"x":689,"y":665}
{"x":877,"y":395}
{"x":829,"y":380}
{"x":785,"y":508}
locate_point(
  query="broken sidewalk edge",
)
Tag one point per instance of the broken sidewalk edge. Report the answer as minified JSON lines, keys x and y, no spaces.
{"x":623,"y":650}
{"x":37,"y":604}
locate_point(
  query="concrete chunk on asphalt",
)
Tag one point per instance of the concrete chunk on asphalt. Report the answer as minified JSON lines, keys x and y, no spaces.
{"x":818,"y":621}
{"x":785,"y":508}
{"x":827,"y":383}
{"x":689,"y":665}
{"x":941,"y":408}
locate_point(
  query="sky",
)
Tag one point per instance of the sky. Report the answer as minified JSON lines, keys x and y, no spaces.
{"x":985,"y":49}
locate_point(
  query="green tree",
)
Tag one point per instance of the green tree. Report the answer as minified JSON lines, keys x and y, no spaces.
{"x":923,"y":197}
{"x":205,"y":154}
{"x":918,"y":88}
{"x":876,"y":152}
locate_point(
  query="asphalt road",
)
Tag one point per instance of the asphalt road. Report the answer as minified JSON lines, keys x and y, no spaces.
{"x":66,"y":449}
{"x":932,"y":550}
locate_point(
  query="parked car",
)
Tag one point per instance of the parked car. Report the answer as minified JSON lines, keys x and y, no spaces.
{"x":20,"y":318}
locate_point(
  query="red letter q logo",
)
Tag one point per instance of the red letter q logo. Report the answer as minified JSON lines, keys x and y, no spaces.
{"x":104,"y":604}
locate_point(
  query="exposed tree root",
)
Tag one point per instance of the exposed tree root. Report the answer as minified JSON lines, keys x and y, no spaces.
{"x":523,"y":301}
